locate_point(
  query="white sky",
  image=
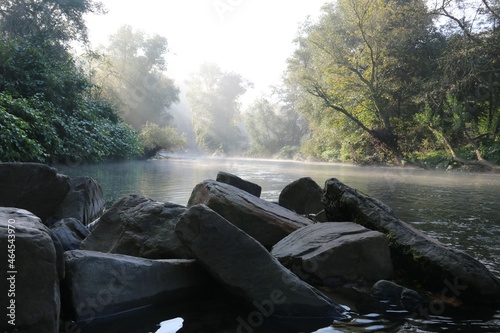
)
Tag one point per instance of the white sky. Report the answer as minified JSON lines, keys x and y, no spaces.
{"x":250,"y":37}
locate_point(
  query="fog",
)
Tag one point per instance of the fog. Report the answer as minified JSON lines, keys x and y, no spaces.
{"x":252,"y":38}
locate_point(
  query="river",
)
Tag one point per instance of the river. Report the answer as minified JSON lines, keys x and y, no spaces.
{"x":459,"y":209}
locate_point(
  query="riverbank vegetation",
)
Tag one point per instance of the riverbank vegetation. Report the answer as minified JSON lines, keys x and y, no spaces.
{"x":370,"y":82}
{"x":395,"y":81}
{"x":55,"y":106}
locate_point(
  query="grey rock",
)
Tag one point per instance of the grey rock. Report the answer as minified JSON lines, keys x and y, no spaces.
{"x":415,"y":255}
{"x":70,"y":232}
{"x":85,"y":201}
{"x":303,"y":196}
{"x":230,"y":179}
{"x":247,"y":269}
{"x":138,"y":226}
{"x":35,"y":282}
{"x":268,"y":223}
{"x":342,"y":250}
{"x":398,"y":295}
{"x":35,"y":187}
{"x":98,"y":284}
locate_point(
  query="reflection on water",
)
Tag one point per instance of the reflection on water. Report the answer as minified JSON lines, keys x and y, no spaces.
{"x":459,"y":209}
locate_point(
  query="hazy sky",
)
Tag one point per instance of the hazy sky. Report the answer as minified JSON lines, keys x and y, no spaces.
{"x":250,"y":37}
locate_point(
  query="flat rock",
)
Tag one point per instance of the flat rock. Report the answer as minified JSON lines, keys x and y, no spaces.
{"x":342,"y":250}
{"x":303,"y":196}
{"x":35,"y":187}
{"x":247,"y":269}
{"x":138,"y":226}
{"x":415,"y":255}
{"x":268,"y":223}
{"x":245,"y":185}
{"x":99,"y":284}
{"x":34,"y":280}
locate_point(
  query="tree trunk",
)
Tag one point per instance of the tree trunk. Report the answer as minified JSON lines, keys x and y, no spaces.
{"x":480,"y":160}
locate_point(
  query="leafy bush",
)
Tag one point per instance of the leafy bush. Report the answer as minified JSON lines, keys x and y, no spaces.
{"x":156,"y":138}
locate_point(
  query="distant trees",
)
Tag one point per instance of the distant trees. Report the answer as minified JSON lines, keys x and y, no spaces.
{"x":131,"y":75}
{"x":274,"y":126}
{"x":213,"y":96}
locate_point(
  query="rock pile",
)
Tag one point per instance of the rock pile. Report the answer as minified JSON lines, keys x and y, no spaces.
{"x":276,"y":261}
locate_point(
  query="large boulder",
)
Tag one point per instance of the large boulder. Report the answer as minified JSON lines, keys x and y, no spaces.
{"x":85,"y":201}
{"x":245,"y":185}
{"x":140,"y":227}
{"x":303,"y":196}
{"x":248,"y":270}
{"x":35,"y":187}
{"x":99,"y":284}
{"x":70,"y":233}
{"x":450,"y":272}
{"x":29,"y":281}
{"x":342,"y":250}
{"x":268,"y":223}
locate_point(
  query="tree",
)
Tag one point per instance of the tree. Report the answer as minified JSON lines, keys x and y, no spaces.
{"x":364,"y":60}
{"x":46,"y":111}
{"x":213,"y":96}
{"x":131,"y":74}
{"x":274,"y":124}
{"x":58,"y":22}
{"x":463,"y":97}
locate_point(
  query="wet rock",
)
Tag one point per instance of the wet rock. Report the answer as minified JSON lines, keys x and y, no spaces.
{"x":247,"y":269}
{"x":102,"y":284}
{"x":35,"y":187}
{"x":303,"y":196}
{"x":415,"y":255}
{"x":70,"y":232}
{"x":342,"y":250}
{"x":400,"y":296}
{"x":138,"y":226}
{"x":230,"y":179}
{"x":85,"y":201}
{"x":29,"y":281}
{"x":268,"y":223}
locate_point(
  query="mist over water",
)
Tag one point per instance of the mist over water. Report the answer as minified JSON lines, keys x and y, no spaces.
{"x":459,"y":209}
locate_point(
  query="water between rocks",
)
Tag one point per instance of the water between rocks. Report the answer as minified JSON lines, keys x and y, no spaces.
{"x":459,"y":209}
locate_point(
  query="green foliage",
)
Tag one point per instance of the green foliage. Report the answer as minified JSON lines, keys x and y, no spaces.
{"x":364,"y":60}
{"x":156,"y":138}
{"x":275,"y":127}
{"x":47,"y":112}
{"x":34,"y":130}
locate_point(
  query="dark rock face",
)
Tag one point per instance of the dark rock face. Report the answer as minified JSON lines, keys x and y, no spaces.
{"x":85,"y":201}
{"x":414,"y":254}
{"x":268,"y":223}
{"x":138,"y":226}
{"x":70,"y":232}
{"x":35,"y":187}
{"x":35,"y":281}
{"x":342,"y":250}
{"x":247,"y":269}
{"x":101,"y":284}
{"x":230,"y":179}
{"x":303,"y":196}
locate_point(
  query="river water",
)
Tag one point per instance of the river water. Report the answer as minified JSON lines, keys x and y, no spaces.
{"x":459,"y":209}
